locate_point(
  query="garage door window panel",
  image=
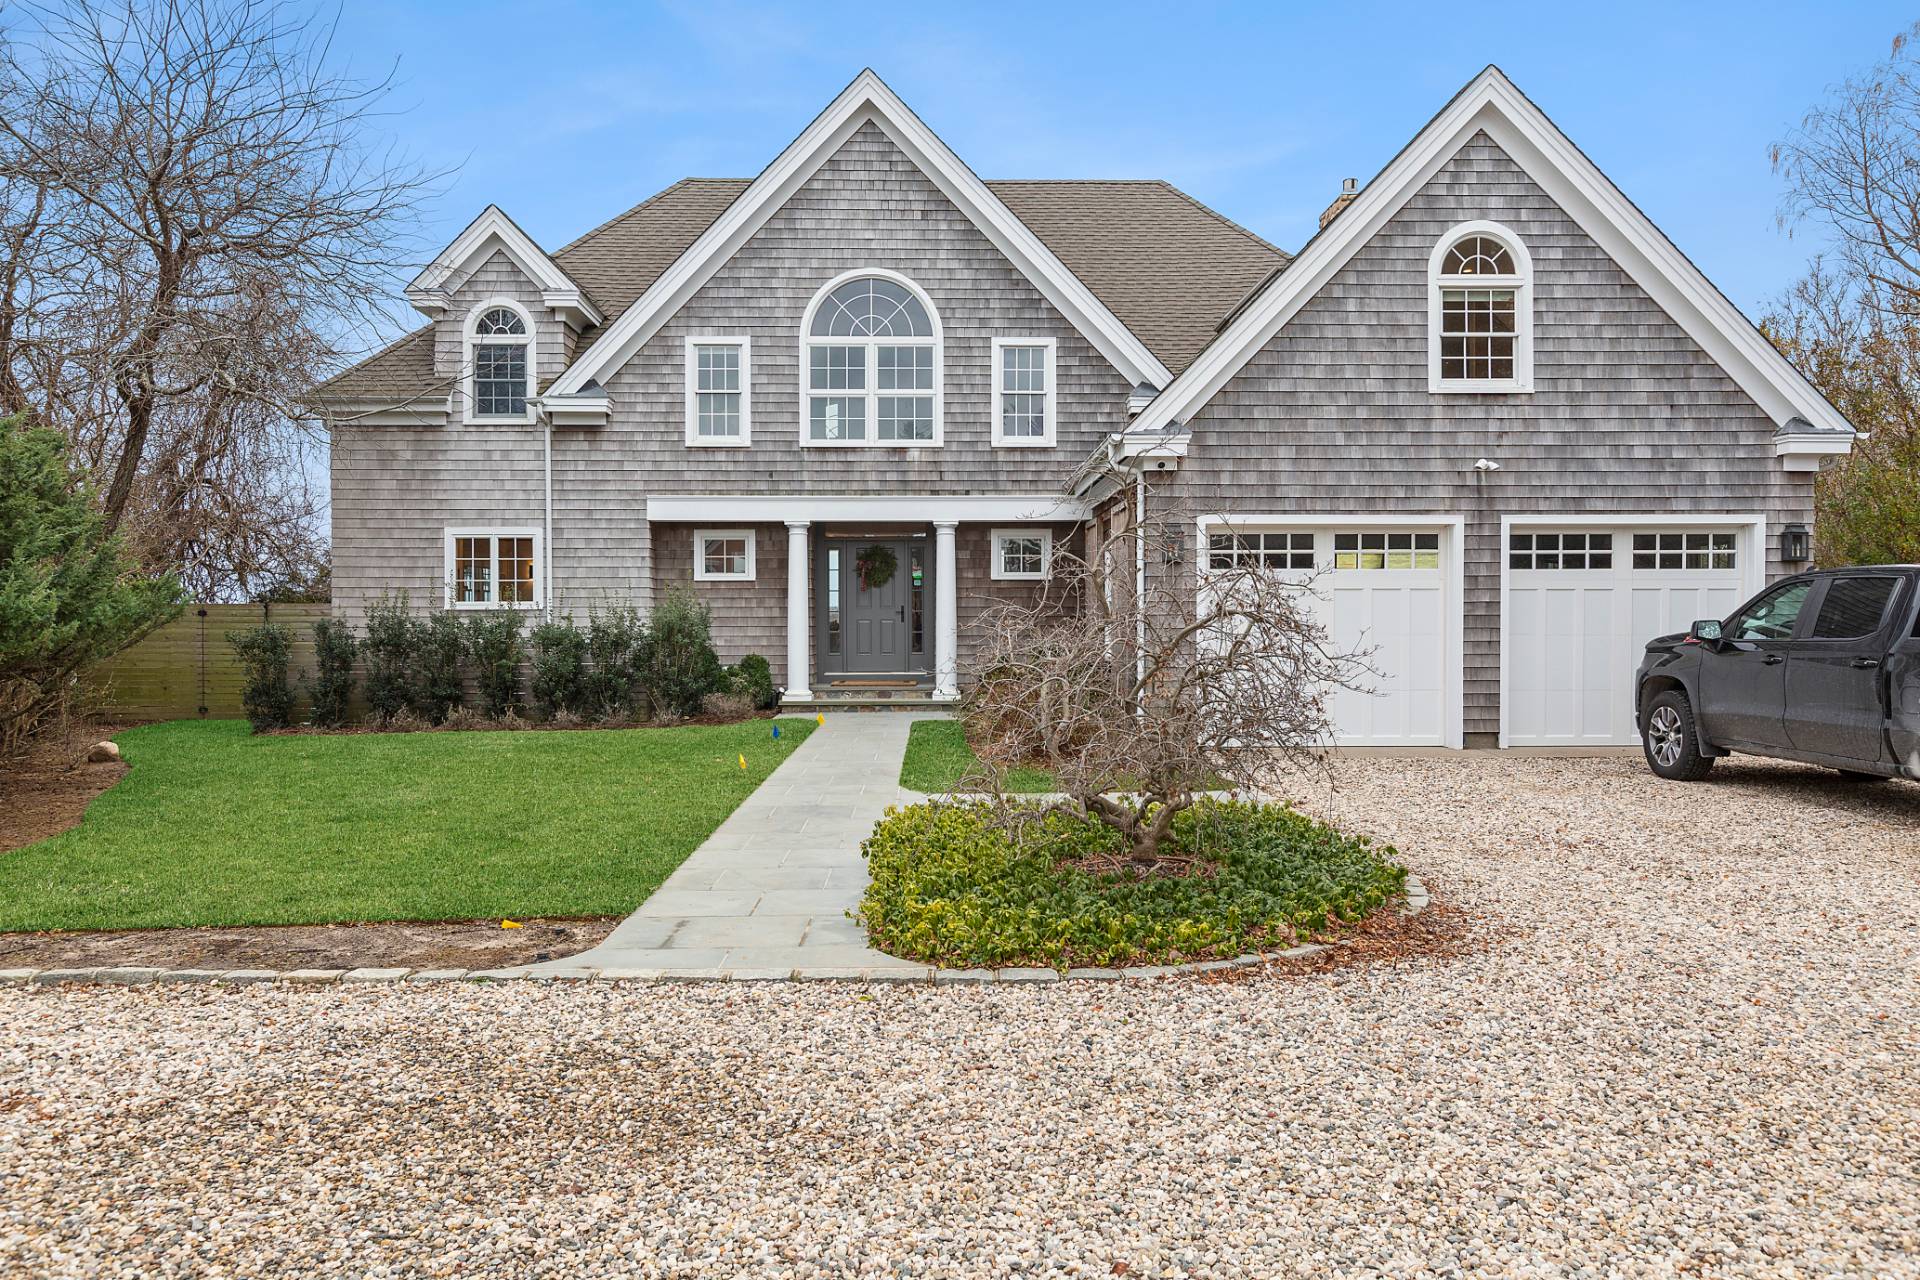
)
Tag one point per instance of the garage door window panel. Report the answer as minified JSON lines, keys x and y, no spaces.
{"x":1385,"y":549}
{"x":1554,"y":550}
{"x":1689,"y":549}
{"x":1283,"y":550}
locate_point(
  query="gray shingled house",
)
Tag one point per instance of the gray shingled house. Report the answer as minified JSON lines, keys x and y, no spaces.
{"x":1516,"y":425}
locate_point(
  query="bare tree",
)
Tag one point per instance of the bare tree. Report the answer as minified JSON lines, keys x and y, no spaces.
{"x":1854,"y":164}
{"x":195,"y":229}
{"x":1138,"y":701}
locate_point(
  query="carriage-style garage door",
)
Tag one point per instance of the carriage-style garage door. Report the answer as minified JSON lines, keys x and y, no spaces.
{"x":1390,"y":591}
{"x":1582,"y":602}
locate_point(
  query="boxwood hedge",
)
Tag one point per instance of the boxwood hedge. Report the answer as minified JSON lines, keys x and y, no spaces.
{"x":951,"y":887}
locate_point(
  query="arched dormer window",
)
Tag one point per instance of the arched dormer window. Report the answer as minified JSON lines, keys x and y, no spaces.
{"x":1480,"y":322}
{"x":499,"y":363}
{"x":871,"y":363}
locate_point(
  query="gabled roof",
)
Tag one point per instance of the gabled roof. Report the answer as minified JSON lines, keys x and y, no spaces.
{"x":1491,"y":103}
{"x":1169,"y":267}
{"x":865,"y":101}
{"x":493,"y":231}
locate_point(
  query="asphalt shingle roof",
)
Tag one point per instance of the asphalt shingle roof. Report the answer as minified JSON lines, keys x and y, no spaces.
{"x":1169,"y":267}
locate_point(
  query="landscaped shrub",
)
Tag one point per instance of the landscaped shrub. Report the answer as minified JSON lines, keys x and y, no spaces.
{"x":559,"y":668}
{"x":392,"y":638}
{"x":332,"y":684}
{"x":266,"y":693}
{"x":493,"y":647}
{"x":678,"y":668}
{"x":752,"y":679}
{"x":615,"y":640}
{"x":436,"y":688}
{"x":723,"y":705}
{"x":952,"y":886}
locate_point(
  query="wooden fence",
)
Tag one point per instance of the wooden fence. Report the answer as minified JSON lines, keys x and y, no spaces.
{"x":188,"y":669}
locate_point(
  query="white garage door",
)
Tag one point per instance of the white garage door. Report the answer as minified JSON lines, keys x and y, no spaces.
{"x":1581,"y":604}
{"x":1384,"y":590}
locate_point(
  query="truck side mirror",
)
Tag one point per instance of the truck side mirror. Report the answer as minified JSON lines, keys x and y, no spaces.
{"x":1704,"y":629}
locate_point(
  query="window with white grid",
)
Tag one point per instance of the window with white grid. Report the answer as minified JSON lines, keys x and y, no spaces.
{"x":1686,"y":549}
{"x":1481,"y":323}
{"x":718,"y":392}
{"x":871,"y":351}
{"x":499,"y":342}
{"x":492,"y":568}
{"x":1023,"y":383}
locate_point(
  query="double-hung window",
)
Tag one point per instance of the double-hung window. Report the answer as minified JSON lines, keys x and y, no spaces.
{"x":719,"y":408}
{"x":493,"y":568}
{"x":499,"y":364}
{"x":871,"y":357}
{"x":1023,"y":411}
{"x":1480,"y":326}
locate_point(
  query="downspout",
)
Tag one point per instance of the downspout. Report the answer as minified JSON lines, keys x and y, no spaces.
{"x":546,"y":535}
{"x":1139,"y":588}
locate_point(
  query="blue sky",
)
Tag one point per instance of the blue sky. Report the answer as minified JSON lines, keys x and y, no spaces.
{"x":565,"y":114}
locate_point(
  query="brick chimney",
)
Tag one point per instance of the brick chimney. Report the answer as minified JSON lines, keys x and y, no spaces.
{"x":1349,"y":192}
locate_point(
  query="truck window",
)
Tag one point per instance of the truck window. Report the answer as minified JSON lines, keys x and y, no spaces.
{"x":1853,"y":607}
{"x":1772,"y":616}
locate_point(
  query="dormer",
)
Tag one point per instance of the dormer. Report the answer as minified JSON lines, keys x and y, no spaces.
{"x":431,"y":292}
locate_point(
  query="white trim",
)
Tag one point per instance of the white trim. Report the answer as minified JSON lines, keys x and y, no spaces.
{"x":702,"y":574}
{"x":946,"y":613}
{"x":1752,"y":556}
{"x":865,"y":100}
{"x":799,"y":614}
{"x":1520,"y":283}
{"x":691,"y":376}
{"x":1492,"y":103}
{"x":1010,"y":508}
{"x":469,"y":414}
{"x":1803,"y":450}
{"x":996,"y":563}
{"x":871,"y":393}
{"x":1453,"y":565}
{"x":1050,"y":436}
{"x":494,"y":532}
{"x":431,"y":290}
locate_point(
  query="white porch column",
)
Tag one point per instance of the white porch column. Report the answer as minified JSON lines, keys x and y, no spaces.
{"x":799,"y":616}
{"x":946,"y":616}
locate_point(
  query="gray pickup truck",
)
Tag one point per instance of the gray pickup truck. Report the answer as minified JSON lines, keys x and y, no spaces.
{"x":1822,"y":668}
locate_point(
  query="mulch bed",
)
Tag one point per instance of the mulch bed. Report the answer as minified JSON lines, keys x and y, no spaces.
{"x":1440,"y":931}
{"x":468,"y":944}
{"x":45,"y":793}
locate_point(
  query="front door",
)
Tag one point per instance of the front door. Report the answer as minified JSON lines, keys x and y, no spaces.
{"x":878,"y":623}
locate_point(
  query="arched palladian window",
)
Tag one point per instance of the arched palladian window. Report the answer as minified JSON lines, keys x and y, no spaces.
{"x":499,"y":363}
{"x":870,"y":355}
{"x":1480,"y":324}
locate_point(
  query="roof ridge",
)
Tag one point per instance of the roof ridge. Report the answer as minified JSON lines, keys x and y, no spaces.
{"x":1224,"y":220}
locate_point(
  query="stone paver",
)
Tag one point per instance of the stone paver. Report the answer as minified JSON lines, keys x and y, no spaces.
{"x":770,"y":891}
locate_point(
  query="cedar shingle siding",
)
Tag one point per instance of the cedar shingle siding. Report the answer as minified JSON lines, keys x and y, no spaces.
{"x":1627,"y":414}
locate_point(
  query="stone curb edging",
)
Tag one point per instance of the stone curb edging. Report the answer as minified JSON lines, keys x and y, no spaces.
{"x":1417,"y":900}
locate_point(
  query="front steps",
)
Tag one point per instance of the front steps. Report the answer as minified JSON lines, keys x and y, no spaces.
{"x":854,"y":698}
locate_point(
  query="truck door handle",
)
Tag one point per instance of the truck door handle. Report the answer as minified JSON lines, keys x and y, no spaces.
{"x":1864,"y":664}
{"x":1773,"y":659}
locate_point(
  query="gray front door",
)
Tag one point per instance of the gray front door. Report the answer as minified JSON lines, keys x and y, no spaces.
{"x":878,"y":622}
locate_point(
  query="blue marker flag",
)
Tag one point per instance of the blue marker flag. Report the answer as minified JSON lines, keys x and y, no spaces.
{"x":776,"y":731}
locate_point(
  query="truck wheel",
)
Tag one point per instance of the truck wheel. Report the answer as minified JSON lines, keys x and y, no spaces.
{"x":1672,"y":740}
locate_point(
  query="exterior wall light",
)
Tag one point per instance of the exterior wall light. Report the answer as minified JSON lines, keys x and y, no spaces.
{"x":1796,"y":544}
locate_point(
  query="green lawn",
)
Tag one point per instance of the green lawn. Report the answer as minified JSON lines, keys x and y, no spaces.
{"x":214,"y":826}
{"x":938,"y":757}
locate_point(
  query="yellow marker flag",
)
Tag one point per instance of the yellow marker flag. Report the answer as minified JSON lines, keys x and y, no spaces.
{"x":510,"y":924}
{"x":743,"y":762}
{"x":820,"y":718}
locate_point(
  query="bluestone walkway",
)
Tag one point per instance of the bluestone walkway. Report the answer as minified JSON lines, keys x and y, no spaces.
{"x":769,"y":892}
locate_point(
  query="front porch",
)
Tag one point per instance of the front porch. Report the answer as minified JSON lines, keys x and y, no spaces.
{"x":874,"y":600}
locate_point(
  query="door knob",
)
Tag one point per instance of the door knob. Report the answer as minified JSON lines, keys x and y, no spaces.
{"x":903,"y":613}
{"x":1773,"y":659}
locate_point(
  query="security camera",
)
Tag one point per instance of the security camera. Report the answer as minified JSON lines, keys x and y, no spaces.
{"x":1486,"y":464}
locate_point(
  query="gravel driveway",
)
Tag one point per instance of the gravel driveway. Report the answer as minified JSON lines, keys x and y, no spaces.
{"x":1681,"y":1039}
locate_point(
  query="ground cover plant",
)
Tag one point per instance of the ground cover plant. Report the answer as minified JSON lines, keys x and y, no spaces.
{"x":214,"y":826}
{"x":955,"y":884}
